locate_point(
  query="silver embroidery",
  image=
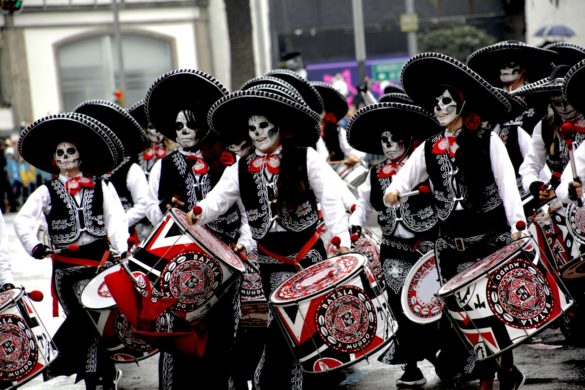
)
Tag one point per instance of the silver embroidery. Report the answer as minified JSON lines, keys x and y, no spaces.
{"x":395,"y":272}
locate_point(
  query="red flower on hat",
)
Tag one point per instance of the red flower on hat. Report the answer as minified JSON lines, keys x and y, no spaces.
{"x":472,"y":121}
{"x":227,"y":158}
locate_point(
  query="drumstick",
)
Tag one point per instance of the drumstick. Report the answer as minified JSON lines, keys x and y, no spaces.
{"x":422,"y":190}
{"x":553,"y":182}
{"x":567,"y":132}
{"x":69,"y":248}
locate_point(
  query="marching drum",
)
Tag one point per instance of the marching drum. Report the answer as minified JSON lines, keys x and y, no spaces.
{"x":111,"y":323}
{"x":553,"y":228}
{"x":26,"y":348}
{"x":368,"y":245}
{"x":254,"y":305}
{"x":504,"y":299}
{"x":576,"y":222}
{"x":353,"y":175}
{"x":187,"y":262}
{"x":334,"y":313}
{"x":419,"y":299}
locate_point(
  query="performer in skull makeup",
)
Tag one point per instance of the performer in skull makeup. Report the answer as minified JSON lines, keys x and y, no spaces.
{"x":279,"y":185}
{"x":473,"y":183}
{"x":81,"y":209}
{"x":177,"y":104}
{"x":394,"y":129}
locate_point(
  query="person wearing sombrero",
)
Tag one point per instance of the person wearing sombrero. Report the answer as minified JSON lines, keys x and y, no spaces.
{"x":393,"y":129}
{"x":85,"y":219}
{"x":128,"y":178}
{"x":177,"y":104}
{"x":279,"y":185}
{"x":473,"y":184}
{"x":512,"y":64}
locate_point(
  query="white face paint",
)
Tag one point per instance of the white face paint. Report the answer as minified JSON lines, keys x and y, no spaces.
{"x":263,"y":133}
{"x":392,"y":149}
{"x":153,"y":135}
{"x":188,"y":135}
{"x":564,"y":109}
{"x":67,"y":157}
{"x":446,"y":109}
{"x":242,"y":149}
{"x":509,"y":72}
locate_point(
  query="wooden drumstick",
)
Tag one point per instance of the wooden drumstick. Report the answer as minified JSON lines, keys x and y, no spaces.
{"x":69,"y":248}
{"x":422,"y":190}
{"x":567,"y":132}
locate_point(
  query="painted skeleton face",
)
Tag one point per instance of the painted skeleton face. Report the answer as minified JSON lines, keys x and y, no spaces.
{"x":66,"y":156}
{"x":446,"y":110}
{"x":153,"y":135}
{"x":510,"y":72}
{"x":563,"y":109}
{"x":263,"y":133}
{"x":188,"y":133}
{"x":393,"y":148}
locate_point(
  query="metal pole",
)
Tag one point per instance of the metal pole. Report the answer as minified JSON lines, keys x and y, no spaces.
{"x":118,"y":43}
{"x":359,"y":38}
{"x":411,"y":35}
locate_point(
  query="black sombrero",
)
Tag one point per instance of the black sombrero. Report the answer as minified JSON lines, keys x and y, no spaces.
{"x":574,"y":86}
{"x":488,"y":60}
{"x":266,"y":80}
{"x":397,"y":97}
{"x":229,"y":115}
{"x":519,"y":106}
{"x":119,"y":121}
{"x":366,"y":126}
{"x":568,"y":53}
{"x":100,"y":149}
{"x":425,"y":73}
{"x":333,"y":101}
{"x":546,"y":87}
{"x":178,"y":90}
{"x":391,"y":88}
{"x":310,"y":95}
{"x":138,"y":112}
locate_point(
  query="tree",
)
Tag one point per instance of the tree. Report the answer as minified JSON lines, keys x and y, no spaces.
{"x":458,"y":42}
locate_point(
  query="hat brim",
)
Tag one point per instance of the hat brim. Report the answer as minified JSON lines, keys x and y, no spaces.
{"x":310,"y":95}
{"x":425,"y":73}
{"x":541,"y":89}
{"x":138,"y":112}
{"x":366,"y":126}
{"x":397,"y":97}
{"x":333,"y":101}
{"x":99,"y":148}
{"x":488,"y":60}
{"x":119,"y":121}
{"x":568,"y":53}
{"x":229,"y":116}
{"x":182,"y":89}
{"x":574,"y":86}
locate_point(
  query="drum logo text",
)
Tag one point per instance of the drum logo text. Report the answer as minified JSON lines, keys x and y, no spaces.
{"x":18,"y":348}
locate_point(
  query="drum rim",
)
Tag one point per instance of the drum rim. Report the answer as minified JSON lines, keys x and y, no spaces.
{"x":571,"y":264}
{"x":363,"y":263}
{"x":14,"y":299}
{"x":570,"y":211}
{"x":404,"y":293}
{"x":102,"y":274}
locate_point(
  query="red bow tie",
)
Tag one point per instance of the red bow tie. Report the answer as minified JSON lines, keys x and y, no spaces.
{"x":75,"y":184}
{"x":158,"y":151}
{"x":446,"y":145}
{"x":270,"y":161}
{"x":390,"y":169}
{"x":199,"y":166}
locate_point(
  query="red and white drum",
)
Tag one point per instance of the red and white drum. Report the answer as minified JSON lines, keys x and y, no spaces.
{"x":187,"y":262}
{"x":368,"y":245}
{"x":576,"y":222}
{"x":352,"y":175}
{"x":26,"y":348}
{"x":504,"y":299}
{"x":254,"y":305}
{"x":122,"y":344}
{"x":333,"y":313}
{"x":419,"y":299}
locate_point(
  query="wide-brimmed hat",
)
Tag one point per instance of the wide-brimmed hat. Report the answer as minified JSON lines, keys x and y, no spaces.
{"x":119,"y":121}
{"x":574,"y":86}
{"x":488,"y":60}
{"x":333,"y":101}
{"x":567,"y":53}
{"x":266,"y":80}
{"x":310,"y":95}
{"x":229,"y":115}
{"x":546,"y":87}
{"x":100,"y":149}
{"x":397,"y":97}
{"x":518,"y":106}
{"x":181,"y":89}
{"x":425,"y":73}
{"x":391,"y":88}
{"x":365,"y":127}
{"x":138,"y":112}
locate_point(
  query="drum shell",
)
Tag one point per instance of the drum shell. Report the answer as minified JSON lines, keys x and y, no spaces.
{"x":420,"y":303}
{"x":314,"y":326}
{"x":254,"y":305}
{"x":26,"y":346}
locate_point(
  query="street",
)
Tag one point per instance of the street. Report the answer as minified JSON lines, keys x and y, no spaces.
{"x":547,"y":362}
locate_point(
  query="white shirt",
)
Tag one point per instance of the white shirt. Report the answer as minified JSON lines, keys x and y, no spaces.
{"x":142,"y":197}
{"x":6,"y":275}
{"x":414,"y":171}
{"x":227,"y":191}
{"x":562,"y":190}
{"x":345,"y":147}
{"x":534,"y":160}
{"x":38,"y":205}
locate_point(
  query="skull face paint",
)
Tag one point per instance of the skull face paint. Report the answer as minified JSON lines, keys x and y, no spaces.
{"x":563,"y":109}
{"x":393,"y":147}
{"x":189,"y":134}
{"x":446,"y":110}
{"x":66,"y":157}
{"x":510,"y":72}
{"x":153,"y":135}
{"x":263,"y":133}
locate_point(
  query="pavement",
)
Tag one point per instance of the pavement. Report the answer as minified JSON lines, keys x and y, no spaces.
{"x":548,"y":361}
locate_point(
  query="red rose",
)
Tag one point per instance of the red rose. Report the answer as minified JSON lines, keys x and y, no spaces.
{"x":227,"y":158}
{"x":472,"y":121}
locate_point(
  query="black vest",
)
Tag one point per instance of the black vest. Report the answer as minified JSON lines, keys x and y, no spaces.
{"x":255,"y":197}
{"x":559,"y":160}
{"x":118,"y":179}
{"x":416,"y":214}
{"x":66,"y":221}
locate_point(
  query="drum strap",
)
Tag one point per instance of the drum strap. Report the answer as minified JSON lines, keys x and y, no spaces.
{"x":301,"y":253}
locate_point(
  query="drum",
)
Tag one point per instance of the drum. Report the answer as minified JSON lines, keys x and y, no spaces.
{"x":111,"y":323}
{"x":551,"y":227}
{"x":576,"y":222}
{"x":353,"y":175}
{"x":333,"y":313}
{"x":187,"y":262}
{"x":419,"y":299}
{"x":504,"y":299}
{"x":573,"y":275}
{"x":368,"y":245}
{"x":254,"y":305}
{"x":26,"y":348}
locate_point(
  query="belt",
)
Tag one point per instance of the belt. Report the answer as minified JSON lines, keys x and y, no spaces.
{"x":460,"y":242}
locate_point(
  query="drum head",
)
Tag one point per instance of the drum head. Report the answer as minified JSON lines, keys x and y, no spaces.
{"x":209,"y":241}
{"x":318,"y":278}
{"x":574,"y":270}
{"x":576,"y":222}
{"x":484,"y":266}
{"x":9,"y":297}
{"x":419,"y":301}
{"x":96,"y":294}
